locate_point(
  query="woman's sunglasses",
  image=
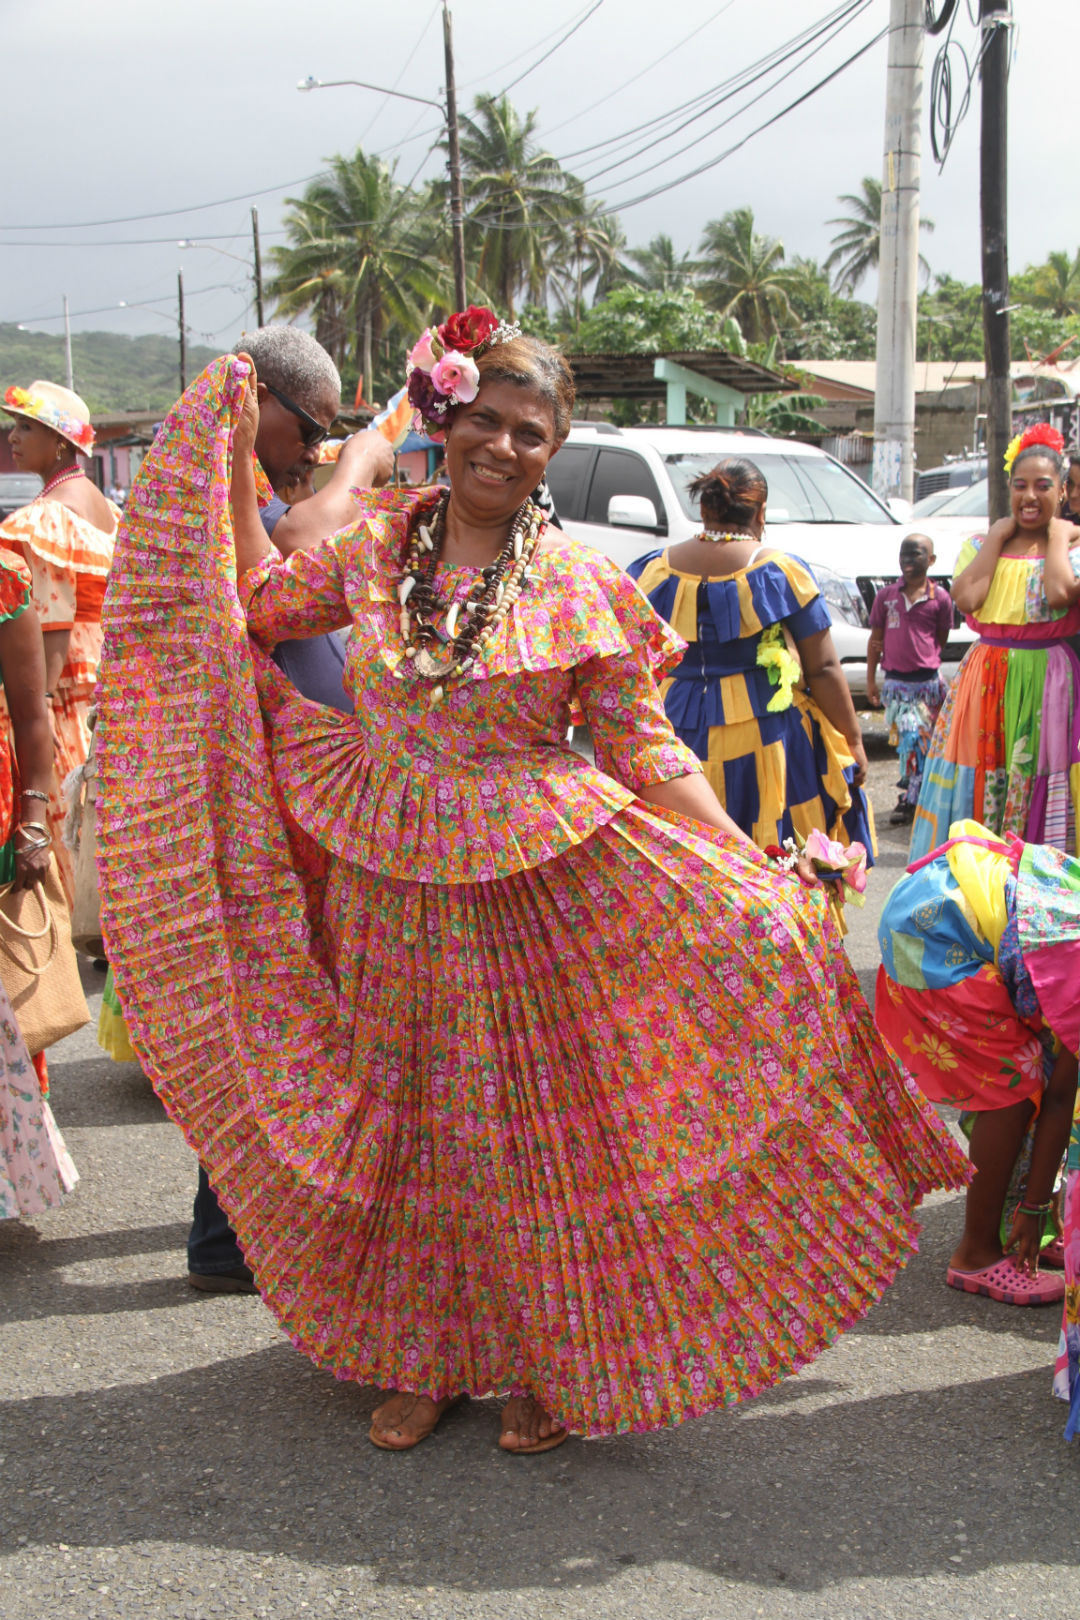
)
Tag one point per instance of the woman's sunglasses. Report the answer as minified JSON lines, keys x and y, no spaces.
{"x":312,"y":432}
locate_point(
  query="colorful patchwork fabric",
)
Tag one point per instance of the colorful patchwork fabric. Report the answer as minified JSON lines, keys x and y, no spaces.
{"x":944,"y":1003}
{"x":1006,"y":748}
{"x":610,"y":1123}
{"x":776,"y":770}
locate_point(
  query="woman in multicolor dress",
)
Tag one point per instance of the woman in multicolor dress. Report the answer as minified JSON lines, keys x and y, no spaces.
{"x":403,"y":977}
{"x":35,"y":1169}
{"x":1006,"y":748}
{"x":980,"y":946}
{"x":781,"y":759}
{"x":66,"y":538}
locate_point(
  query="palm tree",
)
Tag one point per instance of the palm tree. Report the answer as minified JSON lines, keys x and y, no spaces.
{"x":591,"y":247}
{"x":359,"y":256}
{"x":658,"y":265}
{"x":856,"y":248}
{"x":742,"y":274}
{"x":1055,"y":285}
{"x":516,"y":202}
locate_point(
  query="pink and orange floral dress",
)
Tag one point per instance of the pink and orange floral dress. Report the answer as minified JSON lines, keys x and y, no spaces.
{"x":507,"y":1080}
{"x":69,"y":561}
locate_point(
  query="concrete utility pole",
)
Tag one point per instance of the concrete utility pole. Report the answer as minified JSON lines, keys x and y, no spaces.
{"x":258,"y":267}
{"x":993,"y":197}
{"x":457,"y":198}
{"x":898,"y":263}
{"x":67,"y":346}
{"x":183,"y":335}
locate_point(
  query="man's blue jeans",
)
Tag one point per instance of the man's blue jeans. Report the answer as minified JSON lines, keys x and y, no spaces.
{"x":212,"y":1246}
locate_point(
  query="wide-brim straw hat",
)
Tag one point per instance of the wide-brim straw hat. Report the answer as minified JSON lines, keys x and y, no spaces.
{"x":57,"y":408}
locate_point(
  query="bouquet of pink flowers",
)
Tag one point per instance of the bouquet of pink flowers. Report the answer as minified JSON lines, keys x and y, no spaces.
{"x":441,"y":368}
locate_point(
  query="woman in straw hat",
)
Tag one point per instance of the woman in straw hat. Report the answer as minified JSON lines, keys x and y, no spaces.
{"x":65,"y":537}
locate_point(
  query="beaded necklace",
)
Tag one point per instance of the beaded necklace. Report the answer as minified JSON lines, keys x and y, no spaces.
{"x":63,"y":477}
{"x":718,"y":536}
{"x":470,"y":625}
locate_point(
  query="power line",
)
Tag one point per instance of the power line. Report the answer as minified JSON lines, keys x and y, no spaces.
{"x":137,"y":241}
{"x":702,"y":168}
{"x":557,"y":46}
{"x":818,"y":45}
{"x":494,"y":73}
{"x":121,"y":303}
{"x":645,"y":70}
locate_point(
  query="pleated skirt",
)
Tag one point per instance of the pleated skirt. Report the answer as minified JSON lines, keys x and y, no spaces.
{"x":616,"y":1131}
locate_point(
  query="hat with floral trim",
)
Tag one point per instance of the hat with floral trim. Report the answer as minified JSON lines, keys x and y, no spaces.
{"x":55,"y":407}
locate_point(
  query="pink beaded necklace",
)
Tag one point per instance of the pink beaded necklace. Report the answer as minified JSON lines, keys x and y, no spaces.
{"x":62,"y":477}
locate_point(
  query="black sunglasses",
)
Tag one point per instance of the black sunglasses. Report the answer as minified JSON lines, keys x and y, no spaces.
{"x":312,"y":432}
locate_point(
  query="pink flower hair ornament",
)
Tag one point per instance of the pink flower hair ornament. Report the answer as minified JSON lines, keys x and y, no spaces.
{"x":441,"y":369}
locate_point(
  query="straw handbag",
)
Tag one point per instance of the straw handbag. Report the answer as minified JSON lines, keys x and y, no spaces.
{"x":37,"y":962}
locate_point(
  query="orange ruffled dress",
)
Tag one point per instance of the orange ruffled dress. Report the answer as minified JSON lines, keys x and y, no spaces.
{"x":507,"y":1080}
{"x":69,"y":561}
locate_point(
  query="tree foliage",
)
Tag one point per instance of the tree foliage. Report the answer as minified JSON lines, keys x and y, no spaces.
{"x":856,"y":248}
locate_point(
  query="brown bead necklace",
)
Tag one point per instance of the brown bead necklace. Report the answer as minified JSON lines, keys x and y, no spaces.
{"x":469,"y":626}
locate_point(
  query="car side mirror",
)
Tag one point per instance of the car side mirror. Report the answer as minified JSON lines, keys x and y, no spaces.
{"x":632,"y":512}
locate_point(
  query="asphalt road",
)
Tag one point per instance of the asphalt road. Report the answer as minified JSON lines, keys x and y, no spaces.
{"x":167,"y":1456}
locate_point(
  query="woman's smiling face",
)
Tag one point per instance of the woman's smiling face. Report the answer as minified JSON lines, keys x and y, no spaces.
{"x":498,"y":448}
{"x":1035,"y":491}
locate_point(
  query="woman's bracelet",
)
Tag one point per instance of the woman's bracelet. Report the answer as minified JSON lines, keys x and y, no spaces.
{"x":39,"y":835}
{"x":35,"y":793}
{"x":1035,"y":1209}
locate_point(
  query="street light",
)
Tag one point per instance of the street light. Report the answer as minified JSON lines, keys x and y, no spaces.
{"x":253,"y":268}
{"x":449,"y":113}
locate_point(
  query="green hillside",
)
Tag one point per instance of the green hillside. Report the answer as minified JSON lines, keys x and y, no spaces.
{"x":112,"y":372}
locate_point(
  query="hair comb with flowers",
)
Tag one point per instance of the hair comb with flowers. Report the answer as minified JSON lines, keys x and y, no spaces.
{"x":441,"y":366}
{"x":1040,"y":433}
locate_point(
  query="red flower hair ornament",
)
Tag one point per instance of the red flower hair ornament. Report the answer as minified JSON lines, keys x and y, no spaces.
{"x":441,"y":368}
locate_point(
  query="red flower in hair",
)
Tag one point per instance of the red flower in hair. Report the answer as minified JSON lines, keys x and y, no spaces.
{"x":1042,"y":433}
{"x":468,"y":328}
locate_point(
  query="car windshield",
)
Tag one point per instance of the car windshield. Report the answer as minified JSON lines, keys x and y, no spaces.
{"x":802,"y":489}
{"x":971,"y":502}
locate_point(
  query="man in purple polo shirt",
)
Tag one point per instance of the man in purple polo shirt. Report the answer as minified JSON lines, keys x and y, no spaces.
{"x":909,"y":626}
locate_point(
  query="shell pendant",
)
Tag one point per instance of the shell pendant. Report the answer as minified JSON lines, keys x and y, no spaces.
{"x":432,"y":666}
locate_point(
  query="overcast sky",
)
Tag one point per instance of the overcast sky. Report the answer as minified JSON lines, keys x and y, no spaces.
{"x":126,"y":107}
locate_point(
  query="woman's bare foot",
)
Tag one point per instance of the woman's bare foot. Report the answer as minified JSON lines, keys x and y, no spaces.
{"x":528,"y":1428}
{"x":404,"y":1420}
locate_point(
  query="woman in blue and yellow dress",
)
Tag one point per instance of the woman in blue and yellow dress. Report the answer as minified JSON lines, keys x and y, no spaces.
{"x":780,"y":744}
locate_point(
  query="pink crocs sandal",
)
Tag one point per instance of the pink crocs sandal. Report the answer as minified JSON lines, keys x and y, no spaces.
{"x":1053,"y":1255}
{"x":1004,"y":1281}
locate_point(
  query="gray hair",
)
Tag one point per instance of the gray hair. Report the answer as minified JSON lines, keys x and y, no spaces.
{"x":290,"y":359}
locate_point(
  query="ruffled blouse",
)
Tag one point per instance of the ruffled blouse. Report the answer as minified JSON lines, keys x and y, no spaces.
{"x":485,"y":784}
{"x":1015,"y":607}
{"x":69,"y":561}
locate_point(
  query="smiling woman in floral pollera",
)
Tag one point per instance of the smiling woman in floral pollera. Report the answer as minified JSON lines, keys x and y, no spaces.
{"x":405,"y":976}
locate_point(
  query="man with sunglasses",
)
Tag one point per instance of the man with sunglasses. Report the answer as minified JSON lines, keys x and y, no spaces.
{"x":299,"y":393}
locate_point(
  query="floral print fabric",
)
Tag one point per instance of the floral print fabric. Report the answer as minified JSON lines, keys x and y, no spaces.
{"x":611,"y":1126}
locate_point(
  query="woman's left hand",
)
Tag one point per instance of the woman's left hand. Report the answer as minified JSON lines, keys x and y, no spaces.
{"x":31,"y":865}
{"x":1025,"y":1240}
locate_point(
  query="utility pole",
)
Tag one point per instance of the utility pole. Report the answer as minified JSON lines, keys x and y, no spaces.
{"x":258,"y":267}
{"x":183,"y":336}
{"x":67,"y":346}
{"x":457,"y":199}
{"x":898,"y":262}
{"x":993,"y":198}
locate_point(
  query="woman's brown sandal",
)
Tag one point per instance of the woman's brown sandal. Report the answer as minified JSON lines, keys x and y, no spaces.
{"x":547,"y":1443}
{"x":378,"y":1432}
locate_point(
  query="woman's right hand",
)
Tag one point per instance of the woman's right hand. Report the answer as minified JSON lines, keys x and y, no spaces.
{"x":248,"y":426}
{"x":1001,"y":532}
{"x":862,"y":764}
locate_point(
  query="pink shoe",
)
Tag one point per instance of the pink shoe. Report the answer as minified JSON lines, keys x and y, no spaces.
{"x":1053,"y":1255}
{"x":1005,"y":1282}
